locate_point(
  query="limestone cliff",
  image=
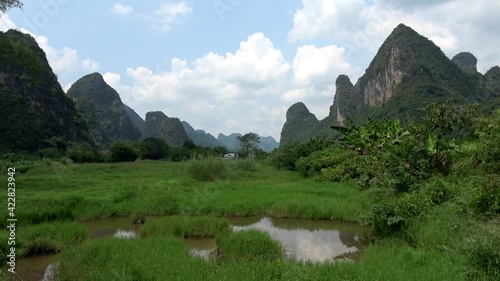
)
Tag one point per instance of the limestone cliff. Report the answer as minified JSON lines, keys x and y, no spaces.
{"x":159,"y":125}
{"x":408,"y":72}
{"x":103,"y":110}
{"x":466,"y":61}
{"x":34,"y":106}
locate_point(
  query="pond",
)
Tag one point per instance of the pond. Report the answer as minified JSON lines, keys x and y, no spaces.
{"x":310,"y":240}
{"x":303,"y":240}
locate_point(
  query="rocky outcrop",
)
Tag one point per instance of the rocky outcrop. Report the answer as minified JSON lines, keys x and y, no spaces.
{"x":34,"y":106}
{"x":408,"y":72}
{"x":103,"y":110}
{"x":466,"y":61}
{"x":200,"y":137}
{"x":159,"y":125}
{"x":346,"y":100}
{"x":299,"y":123}
{"x":493,"y":77}
{"x":135,"y":118}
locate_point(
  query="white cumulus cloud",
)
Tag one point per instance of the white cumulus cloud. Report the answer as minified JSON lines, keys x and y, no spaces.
{"x":168,"y":14}
{"x":120,"y":9}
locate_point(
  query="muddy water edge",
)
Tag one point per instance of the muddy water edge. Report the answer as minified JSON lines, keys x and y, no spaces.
{"x":303,"y":240}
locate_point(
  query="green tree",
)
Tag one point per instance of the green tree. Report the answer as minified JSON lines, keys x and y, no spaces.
{"x":123,"y":152}
{"x":7,"y":4}
{"x":248,"y":143}
{"x":154,"y":149}
{"x":189,"y":144}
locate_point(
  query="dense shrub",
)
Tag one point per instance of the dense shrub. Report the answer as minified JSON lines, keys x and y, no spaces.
{"x":50,"y":152}
{"x":123,"y":152}
{"x":179,"y":154}
{"x":483,"y":248}
{"x":83,"y":153}
{"x":154,"y":149}
{"x":333,"y":164}
{"x":286,"y":157}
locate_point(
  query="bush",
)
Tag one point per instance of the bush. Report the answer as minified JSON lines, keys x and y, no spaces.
{"x":483,"y":248}
{"x":179,"y":154}
{"x":484,"y":194}
{"x":83,"y":153}
{"x":154,"y":149}
{"x":49,"y":152}
{"x":333,"y":164}
{"x":287,"y":156}
{"x":123,"y":152}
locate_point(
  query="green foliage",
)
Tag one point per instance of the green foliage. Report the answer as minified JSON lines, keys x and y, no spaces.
{"x":487,"y":136}
{"x":38,"y":109}
{"x":154,"y":149}
{"x":42,"y":239}
{"x":245,"y":165}
{"x":159,"y":258}
{"x":483,"y":248}
{"x":248,"y":143}
{"x":207,"y":168}
{"x":83,"y":153}
{"x":247,"y":246}
{"x":287,"y":156}
{"x":214,"y":168}
{"x":123,"y":152}
{"x":49,"y":152}
{"x":7,"y":4}
{"x":484,"y":192}
{"x":189,"y":144}
{"x":335,"y":164}
{"x":179,"y":154}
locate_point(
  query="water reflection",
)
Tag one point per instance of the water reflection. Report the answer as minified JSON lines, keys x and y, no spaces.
{"x":109,"y":227}
{"x":306,"y":240}
{"x":202,"y":247}
{"x":32,"y":268}
{"x":125,"y":234}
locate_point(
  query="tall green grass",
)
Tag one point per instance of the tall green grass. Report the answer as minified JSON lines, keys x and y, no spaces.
{"x":49,"y":238}
{"x":214,"y":168}
{"x":160,"y":258}
{"x":251,"y":245}
{"x":198,"y":227}
{"x":207,"y":169}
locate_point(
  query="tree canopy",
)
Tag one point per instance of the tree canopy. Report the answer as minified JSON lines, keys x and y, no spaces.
{"x":248,"y":143}
{"x":7,"y":4}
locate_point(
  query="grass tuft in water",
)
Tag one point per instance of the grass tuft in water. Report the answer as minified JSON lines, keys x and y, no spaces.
{"x":251,"y":245}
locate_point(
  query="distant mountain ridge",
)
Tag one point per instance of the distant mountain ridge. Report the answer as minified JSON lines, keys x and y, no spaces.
{"x":231,"y":142}
{"x":200,"y":137}
{"x":408,"y":72}
{"x":35,"y":108}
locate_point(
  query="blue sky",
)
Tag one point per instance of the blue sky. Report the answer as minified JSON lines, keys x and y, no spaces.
{"x":237,"y":65}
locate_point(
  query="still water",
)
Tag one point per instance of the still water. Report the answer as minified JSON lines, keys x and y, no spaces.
{"x":303,"y":240}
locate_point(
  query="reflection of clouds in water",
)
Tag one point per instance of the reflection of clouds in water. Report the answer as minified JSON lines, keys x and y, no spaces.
{"x":306,"y":245}
{"x":204,"y":254}
{"x":125,"y":234}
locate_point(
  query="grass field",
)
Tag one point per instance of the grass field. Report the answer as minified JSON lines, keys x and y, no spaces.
{"x":53,"y":197}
